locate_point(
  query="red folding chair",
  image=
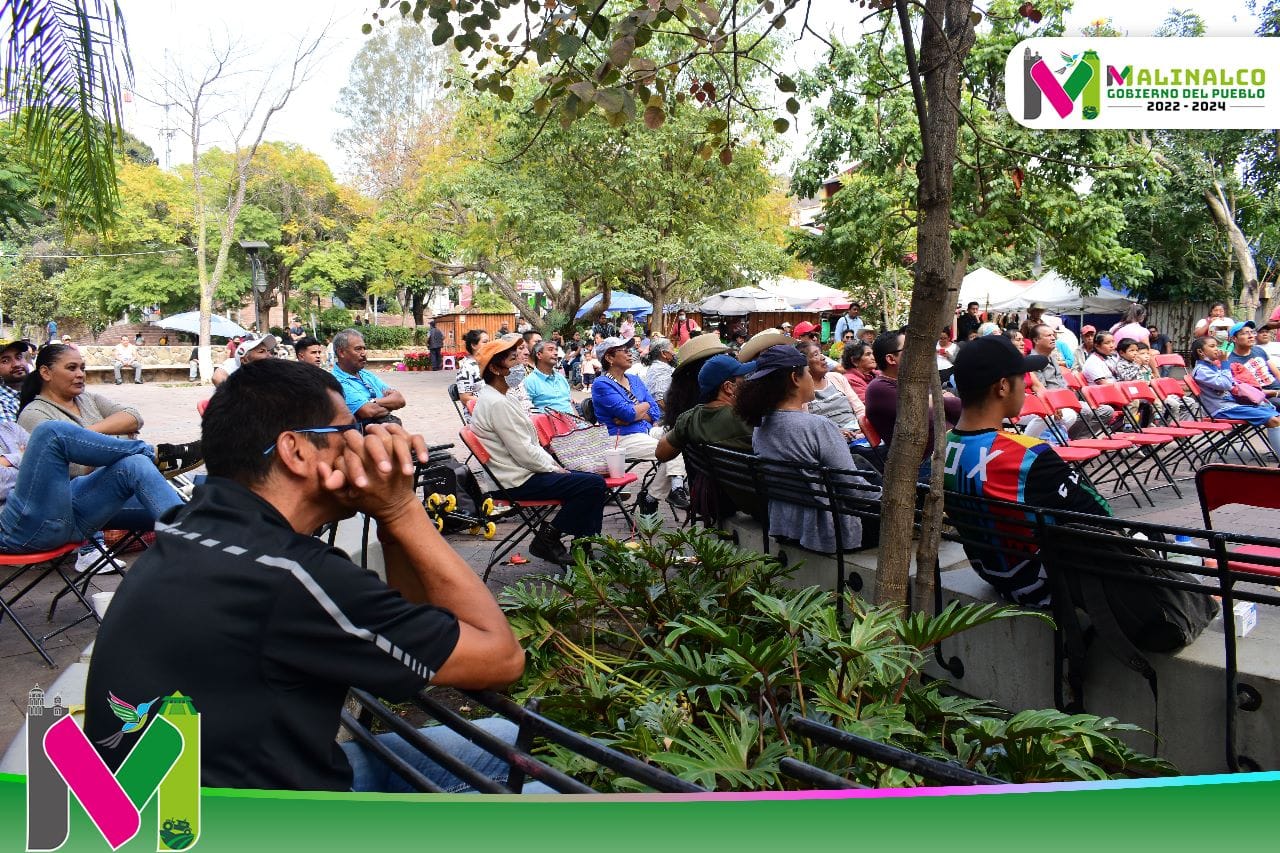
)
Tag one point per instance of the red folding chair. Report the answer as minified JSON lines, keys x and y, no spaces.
{"x":1243,"y":429}
{"x":874,"y":441}
{"x":1185,"y":438}
{"x":529,"y":514}
{"x":1147,"y":443}
{"x":21,"y":563}
{"x":1034,"y":407}
{"x":1111,"y":464}
{"x":548,"y":426}
{"x":1241,"y":485}
{"x":1216,"y":433}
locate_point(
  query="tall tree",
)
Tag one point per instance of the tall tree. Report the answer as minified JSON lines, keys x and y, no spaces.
{"x":197,"y":96}
{"x":392,"y":101}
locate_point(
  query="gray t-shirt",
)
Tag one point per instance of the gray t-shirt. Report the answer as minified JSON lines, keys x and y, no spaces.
{"x":814,"y":442}
{"x":832,"y":404}
{"x":1051,"y":376}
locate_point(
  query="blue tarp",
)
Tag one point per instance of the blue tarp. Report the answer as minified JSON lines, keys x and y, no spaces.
{"x":619,"y":301}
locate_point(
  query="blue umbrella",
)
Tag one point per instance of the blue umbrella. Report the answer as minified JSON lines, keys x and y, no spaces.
{"x":189,"y":322}
{"x":619,"y":300}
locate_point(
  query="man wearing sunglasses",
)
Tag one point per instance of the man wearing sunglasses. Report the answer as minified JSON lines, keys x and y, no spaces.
{"x":266,"y":627}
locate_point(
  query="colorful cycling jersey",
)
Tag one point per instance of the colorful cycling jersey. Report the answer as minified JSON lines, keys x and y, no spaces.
{"x":1020,"y":469}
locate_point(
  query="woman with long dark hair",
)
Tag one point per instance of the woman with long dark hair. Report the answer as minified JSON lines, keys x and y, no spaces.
{"x":774,"y":399}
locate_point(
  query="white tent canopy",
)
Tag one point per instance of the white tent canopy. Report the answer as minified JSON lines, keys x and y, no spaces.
{"x":798,"y":291}
{"x":1059,"y":296}
{"x":988,"y":288}
{"x":743,"y":300}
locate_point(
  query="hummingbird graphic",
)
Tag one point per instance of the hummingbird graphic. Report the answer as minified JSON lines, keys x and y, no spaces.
{"x":1068,"y":60}
{"x":134,"y":718}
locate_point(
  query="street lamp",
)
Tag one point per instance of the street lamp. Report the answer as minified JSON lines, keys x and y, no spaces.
{"x":259,"y":276}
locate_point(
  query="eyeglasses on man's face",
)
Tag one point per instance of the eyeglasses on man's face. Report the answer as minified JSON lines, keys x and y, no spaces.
{"x":354,"y":425}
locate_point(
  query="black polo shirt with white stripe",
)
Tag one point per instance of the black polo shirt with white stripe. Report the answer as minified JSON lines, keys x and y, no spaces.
{"x":265,"y":629}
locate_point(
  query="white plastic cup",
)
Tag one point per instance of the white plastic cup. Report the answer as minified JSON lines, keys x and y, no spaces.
{"x":615,"y":460}
{"x":101,"y":601}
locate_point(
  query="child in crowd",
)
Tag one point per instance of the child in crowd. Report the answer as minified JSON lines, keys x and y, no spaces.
{"x":590,"y":367}
{"x":1129,"y":368}
{"x":1215,"y":381}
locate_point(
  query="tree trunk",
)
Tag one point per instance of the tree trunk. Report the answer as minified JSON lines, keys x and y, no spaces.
{"x":1220,"y":209}
{"x":931,"y":523}
{"x":935,"y":79}
{"x":419,"y":307}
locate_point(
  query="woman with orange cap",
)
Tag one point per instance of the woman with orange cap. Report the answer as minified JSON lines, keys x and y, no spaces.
{"x":521,"y":466}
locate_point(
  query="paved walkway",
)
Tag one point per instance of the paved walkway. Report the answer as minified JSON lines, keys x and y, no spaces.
{"x":170,"y":416}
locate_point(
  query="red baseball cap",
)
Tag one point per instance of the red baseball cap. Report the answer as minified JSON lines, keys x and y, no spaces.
{"x":804,"y":328}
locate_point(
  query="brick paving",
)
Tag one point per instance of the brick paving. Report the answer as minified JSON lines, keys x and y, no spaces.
{"x":169,"y":413}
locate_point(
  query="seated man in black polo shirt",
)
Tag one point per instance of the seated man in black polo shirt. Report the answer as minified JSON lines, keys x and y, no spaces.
{"x":266,"y":627}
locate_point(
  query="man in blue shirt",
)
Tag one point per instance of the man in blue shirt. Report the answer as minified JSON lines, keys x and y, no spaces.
{"x":546,"y":387}
{"x":367,"y":396}
{"x":850,"y":322}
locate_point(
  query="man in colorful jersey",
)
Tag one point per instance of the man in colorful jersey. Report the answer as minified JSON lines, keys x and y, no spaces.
{"x":984,"y":461}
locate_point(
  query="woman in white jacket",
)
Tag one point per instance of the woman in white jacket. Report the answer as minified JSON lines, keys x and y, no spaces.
{"x":521,"y":466}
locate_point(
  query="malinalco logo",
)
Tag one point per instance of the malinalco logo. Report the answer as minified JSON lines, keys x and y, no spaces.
{"x":162,"y":762}
{"x":1138,"y":83}
{"x":1079,"y":79}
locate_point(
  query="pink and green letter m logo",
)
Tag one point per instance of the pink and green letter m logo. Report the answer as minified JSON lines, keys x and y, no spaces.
{"x":164,"y":763}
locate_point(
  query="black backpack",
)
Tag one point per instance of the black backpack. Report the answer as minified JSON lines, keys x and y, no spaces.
{"x":1128,"y":616}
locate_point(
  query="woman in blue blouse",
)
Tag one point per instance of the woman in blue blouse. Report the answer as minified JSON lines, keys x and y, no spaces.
{"x":624,"y":405}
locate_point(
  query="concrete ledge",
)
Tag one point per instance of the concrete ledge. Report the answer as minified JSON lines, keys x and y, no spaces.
{"x":1010,"y":662}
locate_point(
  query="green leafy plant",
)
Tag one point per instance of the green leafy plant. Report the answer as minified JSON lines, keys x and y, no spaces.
{"x":387,"y":337}
{"x":685,"y":651}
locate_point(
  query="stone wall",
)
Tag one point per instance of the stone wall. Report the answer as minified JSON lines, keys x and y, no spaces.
{"x":100,"y":356}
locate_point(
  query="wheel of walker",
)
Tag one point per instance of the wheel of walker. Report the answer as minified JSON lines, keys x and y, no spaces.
{"x":450,"y":503}
{"x":487,"y":507}
{"x":434,"y":500}
{"x":490,"y":530}
{"x":440,"y":524}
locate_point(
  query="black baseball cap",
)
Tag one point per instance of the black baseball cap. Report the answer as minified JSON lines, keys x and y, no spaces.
{"x":983,"y":362}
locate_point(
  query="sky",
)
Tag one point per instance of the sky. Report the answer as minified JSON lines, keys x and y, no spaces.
{"x":165,"y":35}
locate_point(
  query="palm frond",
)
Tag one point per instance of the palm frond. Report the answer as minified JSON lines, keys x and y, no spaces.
{"x":61,"y":88}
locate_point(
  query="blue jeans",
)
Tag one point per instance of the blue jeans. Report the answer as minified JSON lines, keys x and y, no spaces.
{"x":371,"y":773}
{"x":582,"y":494}
{"x":46,"y":509}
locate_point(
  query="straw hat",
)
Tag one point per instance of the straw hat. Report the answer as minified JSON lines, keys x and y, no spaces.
{"x":486,"y":352}
{"x":696,"y":349}
{"x":762,"y":341}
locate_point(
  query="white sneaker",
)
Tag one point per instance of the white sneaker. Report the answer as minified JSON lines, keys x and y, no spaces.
{"x":86,"y":560}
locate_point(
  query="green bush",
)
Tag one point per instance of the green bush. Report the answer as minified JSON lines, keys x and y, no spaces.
{"x":420,"y":334}
{"x":334,"y":320}
{"x":687,"y":652}
{"x":387,"y":337}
